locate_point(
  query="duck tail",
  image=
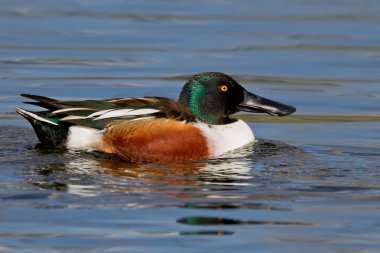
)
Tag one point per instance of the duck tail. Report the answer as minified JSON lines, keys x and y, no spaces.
{"x":48,"y":131}
{"x":41,"y":101}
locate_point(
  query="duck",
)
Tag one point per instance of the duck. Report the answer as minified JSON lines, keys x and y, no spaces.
{"x":198,"y":126}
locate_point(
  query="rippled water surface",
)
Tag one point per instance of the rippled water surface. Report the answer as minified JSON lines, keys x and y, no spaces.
{"x":311,"y":184}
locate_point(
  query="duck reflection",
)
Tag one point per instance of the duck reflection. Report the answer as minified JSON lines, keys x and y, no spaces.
{"x":230,"y":172}
{"x":89,"y":173}
{"x":219,"y":178}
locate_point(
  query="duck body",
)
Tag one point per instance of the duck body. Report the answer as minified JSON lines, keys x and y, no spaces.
{"x":155,"y":129}
{"x":161,"y":140}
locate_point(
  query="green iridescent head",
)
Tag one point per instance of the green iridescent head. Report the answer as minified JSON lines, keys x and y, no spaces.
{"x":213,"y":96}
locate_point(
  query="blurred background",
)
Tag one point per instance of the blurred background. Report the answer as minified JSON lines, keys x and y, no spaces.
{"x":310,"y":185}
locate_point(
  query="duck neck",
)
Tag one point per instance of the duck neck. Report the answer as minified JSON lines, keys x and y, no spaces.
{"x":194,"y":97}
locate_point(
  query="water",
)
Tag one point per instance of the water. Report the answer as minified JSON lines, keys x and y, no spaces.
{"x":311,"y":184}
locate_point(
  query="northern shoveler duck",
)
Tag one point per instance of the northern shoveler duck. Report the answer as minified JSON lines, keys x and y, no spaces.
{"x":155,"y":129}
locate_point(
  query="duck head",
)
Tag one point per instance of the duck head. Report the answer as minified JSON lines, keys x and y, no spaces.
{"x":213,"y":96}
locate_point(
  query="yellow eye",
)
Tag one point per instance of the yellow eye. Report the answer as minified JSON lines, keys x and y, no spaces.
{"x":223,"y":88}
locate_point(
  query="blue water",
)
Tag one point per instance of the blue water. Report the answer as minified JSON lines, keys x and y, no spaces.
{"x":304,"y":187}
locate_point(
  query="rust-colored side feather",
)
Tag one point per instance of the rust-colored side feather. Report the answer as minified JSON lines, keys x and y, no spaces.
{"x":155,"y":140}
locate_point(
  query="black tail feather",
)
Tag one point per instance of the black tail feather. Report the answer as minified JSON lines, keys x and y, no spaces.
{"x":42,"y":101}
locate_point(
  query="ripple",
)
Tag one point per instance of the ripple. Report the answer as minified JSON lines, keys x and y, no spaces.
{"x":231,"y":205}
{"x":207,"y":232}
{"x":89,"y":48}
{"x":183,"y":49}
{"x":31,"y":196}
{"x":72,"y":61}
{"x":243,"y":78}
{"x":331,"y":189}
{"x":304,"y":47}
{"x":150,"y":17}
{"x":204,"y":220}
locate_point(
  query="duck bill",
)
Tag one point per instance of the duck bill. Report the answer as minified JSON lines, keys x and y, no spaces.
{"x":257,"y":104}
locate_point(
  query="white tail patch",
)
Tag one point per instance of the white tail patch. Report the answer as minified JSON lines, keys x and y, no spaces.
{"x":34,"y":116}
{"x":125,"y":113}
{"x":81,"y":137}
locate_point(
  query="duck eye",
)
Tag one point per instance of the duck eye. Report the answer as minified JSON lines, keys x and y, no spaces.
{"x":223,"y":88}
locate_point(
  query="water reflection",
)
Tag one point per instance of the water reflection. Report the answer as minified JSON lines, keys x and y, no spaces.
{"x":256,"y":186}
{"x":218,"y":221}
{"x":226,"y":178}
{"x":89,"y":173}
{"x":244,"y":167}
{"x":177,"y":174}
{"x":208,"y":232}
{"x":232,"y":205}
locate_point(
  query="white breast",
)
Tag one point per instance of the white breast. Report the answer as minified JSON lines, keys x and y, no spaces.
{"x":224,"y":138}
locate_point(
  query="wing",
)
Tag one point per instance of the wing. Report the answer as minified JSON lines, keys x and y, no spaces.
{"x":98,"y":113}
